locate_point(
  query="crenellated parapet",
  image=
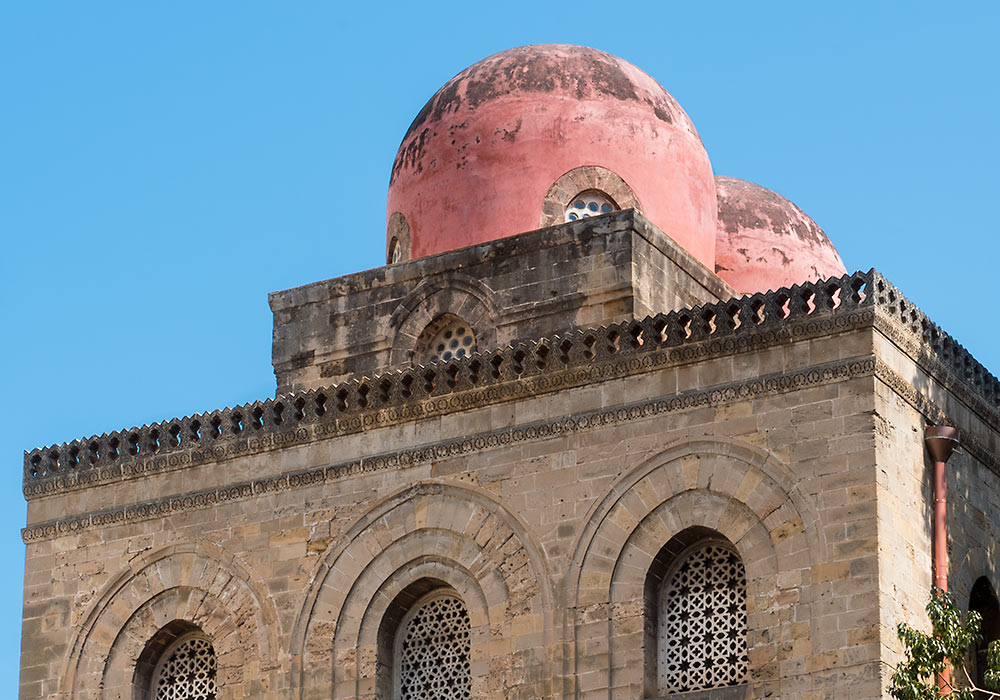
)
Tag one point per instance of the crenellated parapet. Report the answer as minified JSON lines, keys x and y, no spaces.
{"x":546,"y":364}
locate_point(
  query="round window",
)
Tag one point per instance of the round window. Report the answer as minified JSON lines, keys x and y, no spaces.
{"x":452,"y":342}
{"x":588,"y":204}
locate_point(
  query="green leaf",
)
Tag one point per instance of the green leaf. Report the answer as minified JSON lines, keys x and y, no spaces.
{"x":926,"y":655}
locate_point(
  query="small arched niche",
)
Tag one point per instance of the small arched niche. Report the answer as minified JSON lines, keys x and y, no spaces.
{"x":179,"y":661}
{"x":446,"y":338}
{"x":589,"y":203}
{"x":695,"y":615}
{"x":983,"y":599}
{"x":397,"y":239}
{"x":424,"y":645}
{"x":595,"y":189}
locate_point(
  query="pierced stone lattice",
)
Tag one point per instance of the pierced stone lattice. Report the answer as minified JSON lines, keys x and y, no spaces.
{"x":454,"y":341}
{"x":434,"y":658}
{"x":588,"y":204}
{"x":188,"y":672}
{"x":703,"y":625}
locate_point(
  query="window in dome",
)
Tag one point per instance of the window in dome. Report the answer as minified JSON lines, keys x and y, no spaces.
{"x":703,"y":620}
{"x":453,"y":340}
{"x":186,"y":670}
{"x":397,"y":239}
{"x":395,"y":251}
{"x":589,"y":203}
{"x":433,"y":650}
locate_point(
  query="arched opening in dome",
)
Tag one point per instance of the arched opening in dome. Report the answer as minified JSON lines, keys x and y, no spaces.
{"x":589,"y":203}
{"x":447,"y":338}
{"x":395,"y":252}
{"x":397,"y":236}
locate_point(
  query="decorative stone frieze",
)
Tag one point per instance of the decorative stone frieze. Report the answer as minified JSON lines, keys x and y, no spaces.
{"x":541,"y":430}
{"x":512,"y":372}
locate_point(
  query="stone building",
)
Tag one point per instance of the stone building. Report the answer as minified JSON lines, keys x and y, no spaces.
{"x":604,"y":426}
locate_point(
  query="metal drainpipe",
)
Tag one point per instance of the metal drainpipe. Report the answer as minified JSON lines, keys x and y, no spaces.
{"x":941,"y":442}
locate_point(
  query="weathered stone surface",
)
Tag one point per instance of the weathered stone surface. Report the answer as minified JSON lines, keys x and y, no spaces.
{"x":549,"y":486}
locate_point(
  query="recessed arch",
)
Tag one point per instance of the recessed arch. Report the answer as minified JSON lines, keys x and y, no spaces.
{"x":583,"y":179}
{"x":983,"y":599}
{"x":444,"y":531}
{"x":724,"y":485}
{"x":194,"y":582}
{"x":359,"y":645}
{"x":397,"y":239}
{"x":447,"y":295}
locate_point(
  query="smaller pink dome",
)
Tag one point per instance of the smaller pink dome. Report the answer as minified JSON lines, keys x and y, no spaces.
{"x":765,"y":242}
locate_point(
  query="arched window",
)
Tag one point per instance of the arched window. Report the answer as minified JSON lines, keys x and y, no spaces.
{"x":447,"y":338}
{"x":589,"y":203}
{"x":424,"y":645}
{"x":432,"y":650}
{"x":699,"y":614}
{"x":177,"y":663}
{"x":983,"y":599}
{"x":397,"y":239}
{"x":186,"y":671}
{"x":395,"y":253}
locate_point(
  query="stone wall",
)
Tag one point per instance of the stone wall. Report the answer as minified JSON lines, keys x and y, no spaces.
{"x":596,"y":271}
{"x":910,"y":394}
{"x":546,"y":524}
{"x":789,"y":424}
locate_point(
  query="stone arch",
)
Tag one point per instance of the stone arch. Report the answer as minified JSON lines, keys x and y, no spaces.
{"x":456,"y":534}
{"x":582,"y":179}
{"x":356,"y":639}
{"x":156,"y":650}
{"x":195,"y":582}
{"x":744,"y":494}
{"x":451,"y":293}
{"x":977,"y":562}
{"x":398,"y":245}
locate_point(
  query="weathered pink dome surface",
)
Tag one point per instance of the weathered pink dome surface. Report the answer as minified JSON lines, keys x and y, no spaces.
{"x":477,"y":162}
{"x":766,"y":242}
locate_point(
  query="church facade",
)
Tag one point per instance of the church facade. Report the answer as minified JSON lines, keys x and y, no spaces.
{"x":605,"y":425}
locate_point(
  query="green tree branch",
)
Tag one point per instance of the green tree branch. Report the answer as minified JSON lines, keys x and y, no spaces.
{"x":927,"y":655}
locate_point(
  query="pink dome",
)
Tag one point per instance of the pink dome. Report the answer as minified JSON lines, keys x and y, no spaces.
{"x":766,"y":242}
{"x":478,"y":160}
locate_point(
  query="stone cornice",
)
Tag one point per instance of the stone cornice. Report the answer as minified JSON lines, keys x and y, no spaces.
{"x":514,"y":372}
{"x":945,"y":373}
{"x":539,"y":430}
{"x":935,"y":415}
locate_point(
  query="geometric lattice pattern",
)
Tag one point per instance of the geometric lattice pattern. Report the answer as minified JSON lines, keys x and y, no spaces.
{"x":434,"y":658}
{"x":188,"y":673}
{"x":703,"y":628}
{"x":454,"y":341}
{"x":588,"y":204}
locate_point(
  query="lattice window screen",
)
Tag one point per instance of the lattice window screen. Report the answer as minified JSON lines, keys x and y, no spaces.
{"x":187,"y":672}
{"x":454,"y":341}
{"x":434,"y":654}
{"x":588,"y":204}
{"x":703,"y":621}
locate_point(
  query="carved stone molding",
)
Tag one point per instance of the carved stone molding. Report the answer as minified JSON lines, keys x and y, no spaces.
{"x":522,"y":370}
{"x":541,"y":430}
{"x":933,"y":413}
{"x":586,"y":177}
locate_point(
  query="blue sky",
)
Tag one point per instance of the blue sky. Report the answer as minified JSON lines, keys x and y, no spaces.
{"x":163,"y":166}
